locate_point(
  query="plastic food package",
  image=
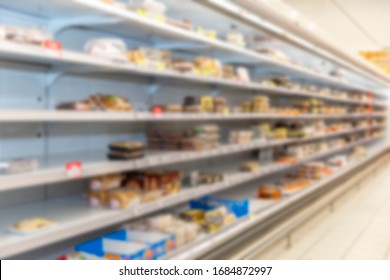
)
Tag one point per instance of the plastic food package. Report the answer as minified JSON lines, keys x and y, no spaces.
{"x":19,"y":165}
{"x":126,"y":150}
{"x":123,"y":198}
{"x":31,"y":225}
{"x":110,"y":48}
{"x":33,"y":36}
{"x":155,"y":8}
{"x":270,"y":192}
{"x":106,"y":182}
{"x":250,"y":166}
{"x":236,"y":38}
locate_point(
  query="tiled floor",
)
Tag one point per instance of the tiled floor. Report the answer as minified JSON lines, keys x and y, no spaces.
{"x":359,"y":228}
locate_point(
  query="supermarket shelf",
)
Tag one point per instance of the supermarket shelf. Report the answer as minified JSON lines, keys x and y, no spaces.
{"x":74,"y":62}
{"x":28,"y":116}
{"x":74,"y":217}
{"x":122,"y":20}
{"x":293,"y":34}
{"x":132,"y":19}
{"x":210,"y":242}
{"x":93,"y":165}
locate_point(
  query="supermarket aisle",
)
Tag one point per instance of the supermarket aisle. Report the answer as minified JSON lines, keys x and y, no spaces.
{"x":358,"y":228}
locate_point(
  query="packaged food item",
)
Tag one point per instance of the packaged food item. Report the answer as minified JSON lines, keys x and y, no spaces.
{"x":243,"y":74}
{"x":158,"y":243}
{"x":182,"y":65}
{"x":207,"y":66}
{"x":270,"y":192}
{"x":205,"y":178}
{"x":75,"y":106}
{"x":240,"y":137}
{"x":98,"y":198}
{"x":358,"y":152}
{"x":19,"y":165}
{"x":31,"y":225}
{"x":212,"y":34}
{"x":273,"y":53}
{"x":236,"y":38}
{"x":111,"y":249}
{"x":173,"y":108}
{"x":123,"y":198}
{"x":183,"y":24}
{"x":25,"y":35}
{"x":199,"y":138}
{"x":250,"y":166}
{"x":106,"y":182}
{"x":151,"y":8}
{"x":126,"y":150}
{"x":110,"y":48}
{"x":110,"y":102}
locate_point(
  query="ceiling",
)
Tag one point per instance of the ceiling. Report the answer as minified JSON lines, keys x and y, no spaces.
{"x":356,"y":25}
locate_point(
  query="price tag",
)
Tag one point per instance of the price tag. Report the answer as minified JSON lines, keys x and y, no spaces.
{"x":74,"y":169}
{"x":142,"y":12}
{"x":53,"y":47}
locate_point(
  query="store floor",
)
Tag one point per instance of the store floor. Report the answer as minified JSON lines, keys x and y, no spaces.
{"x":357,"y":228}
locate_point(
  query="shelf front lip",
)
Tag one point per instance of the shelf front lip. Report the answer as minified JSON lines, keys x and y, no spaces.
{"x":115,"y":217}
{"x":21,"y":53}
{"x":57,"y":175}
{"x":32,"y":116}
{"x":196,"y":250}
{"x":181,"y":33}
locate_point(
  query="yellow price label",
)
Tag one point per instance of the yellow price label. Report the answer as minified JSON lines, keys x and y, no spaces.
{"x":142,"y":12}
{"x":161,"y":66}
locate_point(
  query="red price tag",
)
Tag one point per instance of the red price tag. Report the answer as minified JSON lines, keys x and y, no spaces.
{"x":74,"y":169}
{"x":53,"y":47}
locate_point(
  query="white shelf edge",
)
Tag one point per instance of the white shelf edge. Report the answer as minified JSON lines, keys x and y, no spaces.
{"x":17,"y":52}
{"x":197,"y":249}
{"x":58,"y":174}
{"x":29,"y":116}
{"x":110,"y":218}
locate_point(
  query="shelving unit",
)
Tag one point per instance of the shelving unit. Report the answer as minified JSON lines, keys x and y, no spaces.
{"x":34,"y":124}
{"x":75,"y":217}
{"x":94,"y":167}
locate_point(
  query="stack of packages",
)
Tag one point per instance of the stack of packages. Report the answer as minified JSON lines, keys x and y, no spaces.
{"x":126,"y":150}
{"x":183,"y":231}
{"x":152,"y":58}
{"x":99,"y":102}
{"x":206,"y":104}
{"x":199,"y":138}
{"x":120,"y":191}
{"x":312,"y":171}
{"x":241,"y":137}
{"x":213,"y":213}
{"x":259,"y":104}
{"x":358,"y":152}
